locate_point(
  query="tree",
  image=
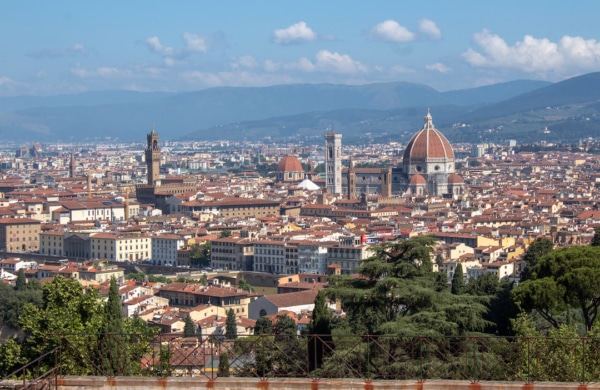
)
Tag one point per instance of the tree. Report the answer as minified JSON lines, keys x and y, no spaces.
{"x":223,"y":365}
{"x":11,"y":357}
{"x":242,"y":284}
{"x":164,"y":362}
{"x":225,"y":233}
{"x":13,"y":302}
{"x":189,"y":328}
{"x":69,"y":317}
{"x":397,"y":296}
{"x":564,"y":279}
{"x":288,"y":354}
{"x":21,"y":282}
{"x":200,"y":255}
{"x":113,"y":352}
{"x":539,"y":248}
{"x":231,"y":325}
{"x":596,"y":238}
{"x":263,"y":326}
{"x":319,"y":342}
{"x":458,"y":280}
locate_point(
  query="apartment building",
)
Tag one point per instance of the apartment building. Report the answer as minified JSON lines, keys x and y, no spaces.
{"x":120,"y":247}
{"x":232,"y":254}
{"x":165,"y":247}
{"x":232,"y":207}
{"x":19,"y":234}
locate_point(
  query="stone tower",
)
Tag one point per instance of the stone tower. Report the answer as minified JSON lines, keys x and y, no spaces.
{"x":153,"y":158}
{"x":72,"y":166}
{"x":333,"y":162}
{"x":351,"y":178}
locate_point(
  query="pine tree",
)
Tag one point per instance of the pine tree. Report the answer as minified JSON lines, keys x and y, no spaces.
{"x":21,"y":282}
{"x":113,"y":352}
{"x":458,"y":282}
{"x":189,"y":329}
{"x":223,"y":365}
{"x":231,"y":325}
{"x":263,"y":326}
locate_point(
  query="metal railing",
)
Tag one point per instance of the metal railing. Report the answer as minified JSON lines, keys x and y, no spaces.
{"x":473,"y":358}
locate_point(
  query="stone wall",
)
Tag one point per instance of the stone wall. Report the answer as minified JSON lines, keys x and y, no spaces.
{"x":187,"y":383}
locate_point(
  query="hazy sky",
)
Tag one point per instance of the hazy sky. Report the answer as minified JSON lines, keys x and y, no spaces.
{"x":49,"y":47}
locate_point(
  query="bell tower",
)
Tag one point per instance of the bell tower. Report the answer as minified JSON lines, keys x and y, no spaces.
{"x":153,"y":158}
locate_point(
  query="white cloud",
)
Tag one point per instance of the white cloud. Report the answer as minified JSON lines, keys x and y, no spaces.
{"x":392,"y":31}
{"x":400,"y":70}
{"x":194,"y":42}
{"x":534,"y":55}
{"x":235,"y":78}
{"x":338,"y":63}
{"x":244,"y":62}
{"x":105,"y":72}
{"x":6,"y":81}
{"x":325,"y":61}
{"x":296,"y":33}
{"x":429,"y":28}
{"x":155,"y":45}
{"x":438,"y":67}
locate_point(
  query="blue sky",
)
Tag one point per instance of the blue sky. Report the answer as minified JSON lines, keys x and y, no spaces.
{"x":50,"y":47}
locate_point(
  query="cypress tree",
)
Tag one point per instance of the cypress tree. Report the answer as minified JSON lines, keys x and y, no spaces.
{"x":596,"y":239}
{"x":320,"y":329}
{"x":189,"y":329}
{"x":113,"y":350}
{"x":223,"y":365}
{"x":231,"y":326}
{"x":21,"y":282}
{"x":458,"y":282}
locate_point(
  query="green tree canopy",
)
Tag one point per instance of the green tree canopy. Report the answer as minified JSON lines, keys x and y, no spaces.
{"x":563,"y":279}
{"x":70,"y":317}
{"x":397,"y":293}
{"x":538,"y":249}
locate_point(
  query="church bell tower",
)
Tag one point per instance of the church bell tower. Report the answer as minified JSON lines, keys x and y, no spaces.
{"x":153,"y":158}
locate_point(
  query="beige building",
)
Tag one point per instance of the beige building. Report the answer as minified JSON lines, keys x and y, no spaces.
{"x":232,"y":208}
{"x":232,"y":254}
{"x":51,"y":243}
{"x":19,"y":234}
{"x":188,"y":294}
{"x":120,"y":247}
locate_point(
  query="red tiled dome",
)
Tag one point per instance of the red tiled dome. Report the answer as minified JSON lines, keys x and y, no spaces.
{"x":290,"y":164}
{"x":417,"y":180}
{"x":428,"y":143}
{"x":455,"y":178}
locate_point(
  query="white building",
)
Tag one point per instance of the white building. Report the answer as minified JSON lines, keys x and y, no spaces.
{"x":165,"y":247}
{"x":120,"y":247}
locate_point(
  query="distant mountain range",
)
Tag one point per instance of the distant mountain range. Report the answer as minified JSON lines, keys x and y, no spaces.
{"x":382,"y":111}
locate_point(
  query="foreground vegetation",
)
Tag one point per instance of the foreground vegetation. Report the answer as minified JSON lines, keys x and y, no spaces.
{"x":402,"y":320}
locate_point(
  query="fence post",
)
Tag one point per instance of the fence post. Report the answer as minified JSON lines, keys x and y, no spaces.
{"x":583,"y":353}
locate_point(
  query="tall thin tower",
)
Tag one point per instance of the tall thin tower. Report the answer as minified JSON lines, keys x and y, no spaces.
{"x":72,"y":166}
{"x":153,"y":158}
{"x":333,"y":162}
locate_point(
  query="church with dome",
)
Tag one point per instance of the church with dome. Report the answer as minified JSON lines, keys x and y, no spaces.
{"x":427,"y":169}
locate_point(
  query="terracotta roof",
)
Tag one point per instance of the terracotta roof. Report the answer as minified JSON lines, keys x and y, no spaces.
{"x":293,"y":299}
{"x":290,"y":164}
{"x":427,"y":143}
